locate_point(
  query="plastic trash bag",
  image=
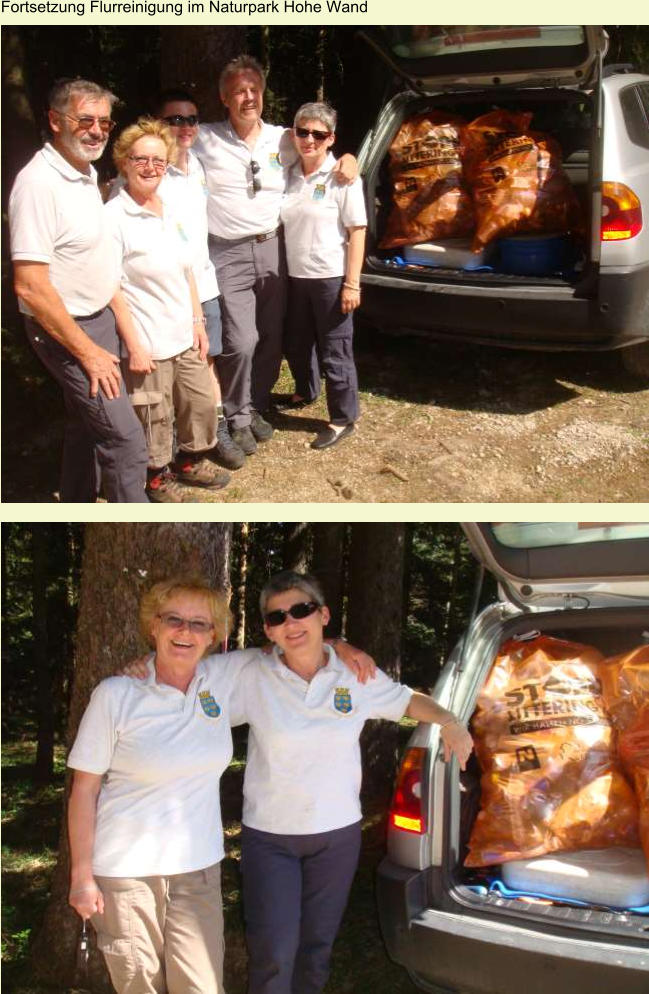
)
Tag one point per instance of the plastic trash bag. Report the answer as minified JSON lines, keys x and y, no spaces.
{"x":543,"y":740}
{"x":516,"y":178}
{"x":625,"y":686}
{"x":430,"y":199}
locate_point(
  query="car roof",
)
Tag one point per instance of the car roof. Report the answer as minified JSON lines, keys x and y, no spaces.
{"x":620,"y":80}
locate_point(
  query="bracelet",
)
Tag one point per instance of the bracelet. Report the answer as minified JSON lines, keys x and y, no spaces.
{"x":452,"y":721}
{"x":350,"y":286}
{"x":198,"y":320}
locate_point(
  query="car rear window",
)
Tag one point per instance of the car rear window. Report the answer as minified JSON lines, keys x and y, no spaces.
{"x":539,"y":534}
{"x":634,"y":101}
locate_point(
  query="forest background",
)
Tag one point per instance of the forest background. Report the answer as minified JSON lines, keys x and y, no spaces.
{"x":69,"y":603}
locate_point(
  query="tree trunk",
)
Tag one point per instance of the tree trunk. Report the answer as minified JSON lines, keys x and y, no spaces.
{"x":329,"y":568}
{"x":297,"y":546}
{"x":192,"y":57}
{"x":374,"y":617}
{"x":41,"y":540}
{"x":119,"y":562}
{"x":17,"y":114}
{"x":242,"y":584}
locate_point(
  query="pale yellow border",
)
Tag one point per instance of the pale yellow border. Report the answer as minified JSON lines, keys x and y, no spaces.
{"x":326,"y":512}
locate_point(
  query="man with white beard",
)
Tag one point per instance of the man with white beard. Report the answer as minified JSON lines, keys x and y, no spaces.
{"x":66,"y":273}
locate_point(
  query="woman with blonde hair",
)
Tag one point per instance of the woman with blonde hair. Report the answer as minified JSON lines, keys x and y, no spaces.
{"x":159,"y":315}
{"x":146,"y":838}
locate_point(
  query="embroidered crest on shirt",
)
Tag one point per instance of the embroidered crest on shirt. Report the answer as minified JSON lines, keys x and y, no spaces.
{"x":319,"y":191}
{"x":181,"y":231}
{"x":208,"y":704}
{"x":273,"y":160}
{"x":342,"y":700}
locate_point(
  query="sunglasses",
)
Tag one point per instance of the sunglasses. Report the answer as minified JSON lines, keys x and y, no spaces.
{"x":106,"y":125}
{"x":140,"y":161}
{"x":318,"y":136}
{"x":297,"y":611}
{"x":195,"y":625}
{"x":177,"y":120}
{"x":255,"y":168}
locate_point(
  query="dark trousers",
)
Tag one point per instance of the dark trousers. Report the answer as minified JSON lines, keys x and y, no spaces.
{"x":103,"y":442}
{"x":252,"y":282}
{"x":319,"y":339}
{"x":295,"y":889}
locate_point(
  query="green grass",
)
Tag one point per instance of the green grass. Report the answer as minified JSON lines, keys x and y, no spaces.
{"x":30,"y":825}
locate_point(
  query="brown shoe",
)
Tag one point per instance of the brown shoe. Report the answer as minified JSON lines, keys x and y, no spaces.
{"x":163,"y":488}
{"x":200,"y":473}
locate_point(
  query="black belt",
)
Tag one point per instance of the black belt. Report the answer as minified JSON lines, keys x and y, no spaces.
{"x":265,"y":236}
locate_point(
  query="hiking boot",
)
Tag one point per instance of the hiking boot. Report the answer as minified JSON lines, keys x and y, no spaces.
{"x":244,"y":438}
{"x":260,"y":427}
{"x":200,"y":473}
{"x":162,"y":487}
{"x":227,"y":452}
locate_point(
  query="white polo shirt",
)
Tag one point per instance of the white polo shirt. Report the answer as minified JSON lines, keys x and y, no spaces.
{"x":303,"y":773}
{"x":155,"y":256}
{"x":56,"y":216}
{"x":316,"y":213}
{"x":161,"y":754}
{"x":187,"y":196}
{"x":233,"y":209}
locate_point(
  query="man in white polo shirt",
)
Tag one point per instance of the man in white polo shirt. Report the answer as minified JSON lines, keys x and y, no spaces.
{"x":65,"y":276}
{"x":245,"y":161}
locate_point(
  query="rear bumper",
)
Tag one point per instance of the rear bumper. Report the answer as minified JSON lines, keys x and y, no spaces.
{"x":448,"y":951}
{"x":552,"y":318}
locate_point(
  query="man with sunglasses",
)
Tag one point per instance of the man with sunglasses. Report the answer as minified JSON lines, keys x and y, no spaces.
{"x":185,"y":190}
{"x":245,"y":161}
{"x":65,"y":277}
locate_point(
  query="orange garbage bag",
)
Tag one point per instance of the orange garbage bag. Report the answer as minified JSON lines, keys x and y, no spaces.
{"x":543,"y":740}
{"x":516,"y":178}
{"x":430,"y":199}
{"x":625,"y":686}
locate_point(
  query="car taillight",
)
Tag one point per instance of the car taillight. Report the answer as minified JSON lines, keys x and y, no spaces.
{"x":621,"y":213}
{"x":406,"y":810}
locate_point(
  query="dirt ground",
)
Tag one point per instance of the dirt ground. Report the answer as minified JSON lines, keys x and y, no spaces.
{"x":439,"y":423}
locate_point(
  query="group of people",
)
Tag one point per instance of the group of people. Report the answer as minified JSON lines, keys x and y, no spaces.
{"x":164,"y":314}
{"x":146,"y":837}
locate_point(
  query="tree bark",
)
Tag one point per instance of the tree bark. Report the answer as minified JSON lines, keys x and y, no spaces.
{"x":41,"y":537}
{"x":119,"y":562}
{"x":18,"y":116}
{"x":329,"y":567}
{"x":297,"y":546}
{"x":192,"y":57}
{"x":374,"y":617}
{"x":242,"y":584}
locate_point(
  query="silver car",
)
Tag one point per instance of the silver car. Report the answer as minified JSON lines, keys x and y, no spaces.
{"x":587,"y":583}
{"x":601,"y":120}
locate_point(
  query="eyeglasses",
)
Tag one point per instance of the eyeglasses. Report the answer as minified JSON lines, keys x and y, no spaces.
{"x":177,"y":120}
{"x":86,"y":123}
{"x":143,"y":160}
{"x":318,"y":136}
{"x":297,"y":611}
{"x":195,"y":625}
{"x":255,"y":168}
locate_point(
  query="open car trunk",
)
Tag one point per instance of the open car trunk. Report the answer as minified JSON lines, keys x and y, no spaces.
{"x":567,"y":115}
{"x":477,"y":889}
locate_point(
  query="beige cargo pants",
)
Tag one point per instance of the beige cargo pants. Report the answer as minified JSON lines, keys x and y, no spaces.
{"x":163,"y":935}
{"x":178,"y":390}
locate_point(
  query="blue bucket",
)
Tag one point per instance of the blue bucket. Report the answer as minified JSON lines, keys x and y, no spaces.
{"x":534,"y":255}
